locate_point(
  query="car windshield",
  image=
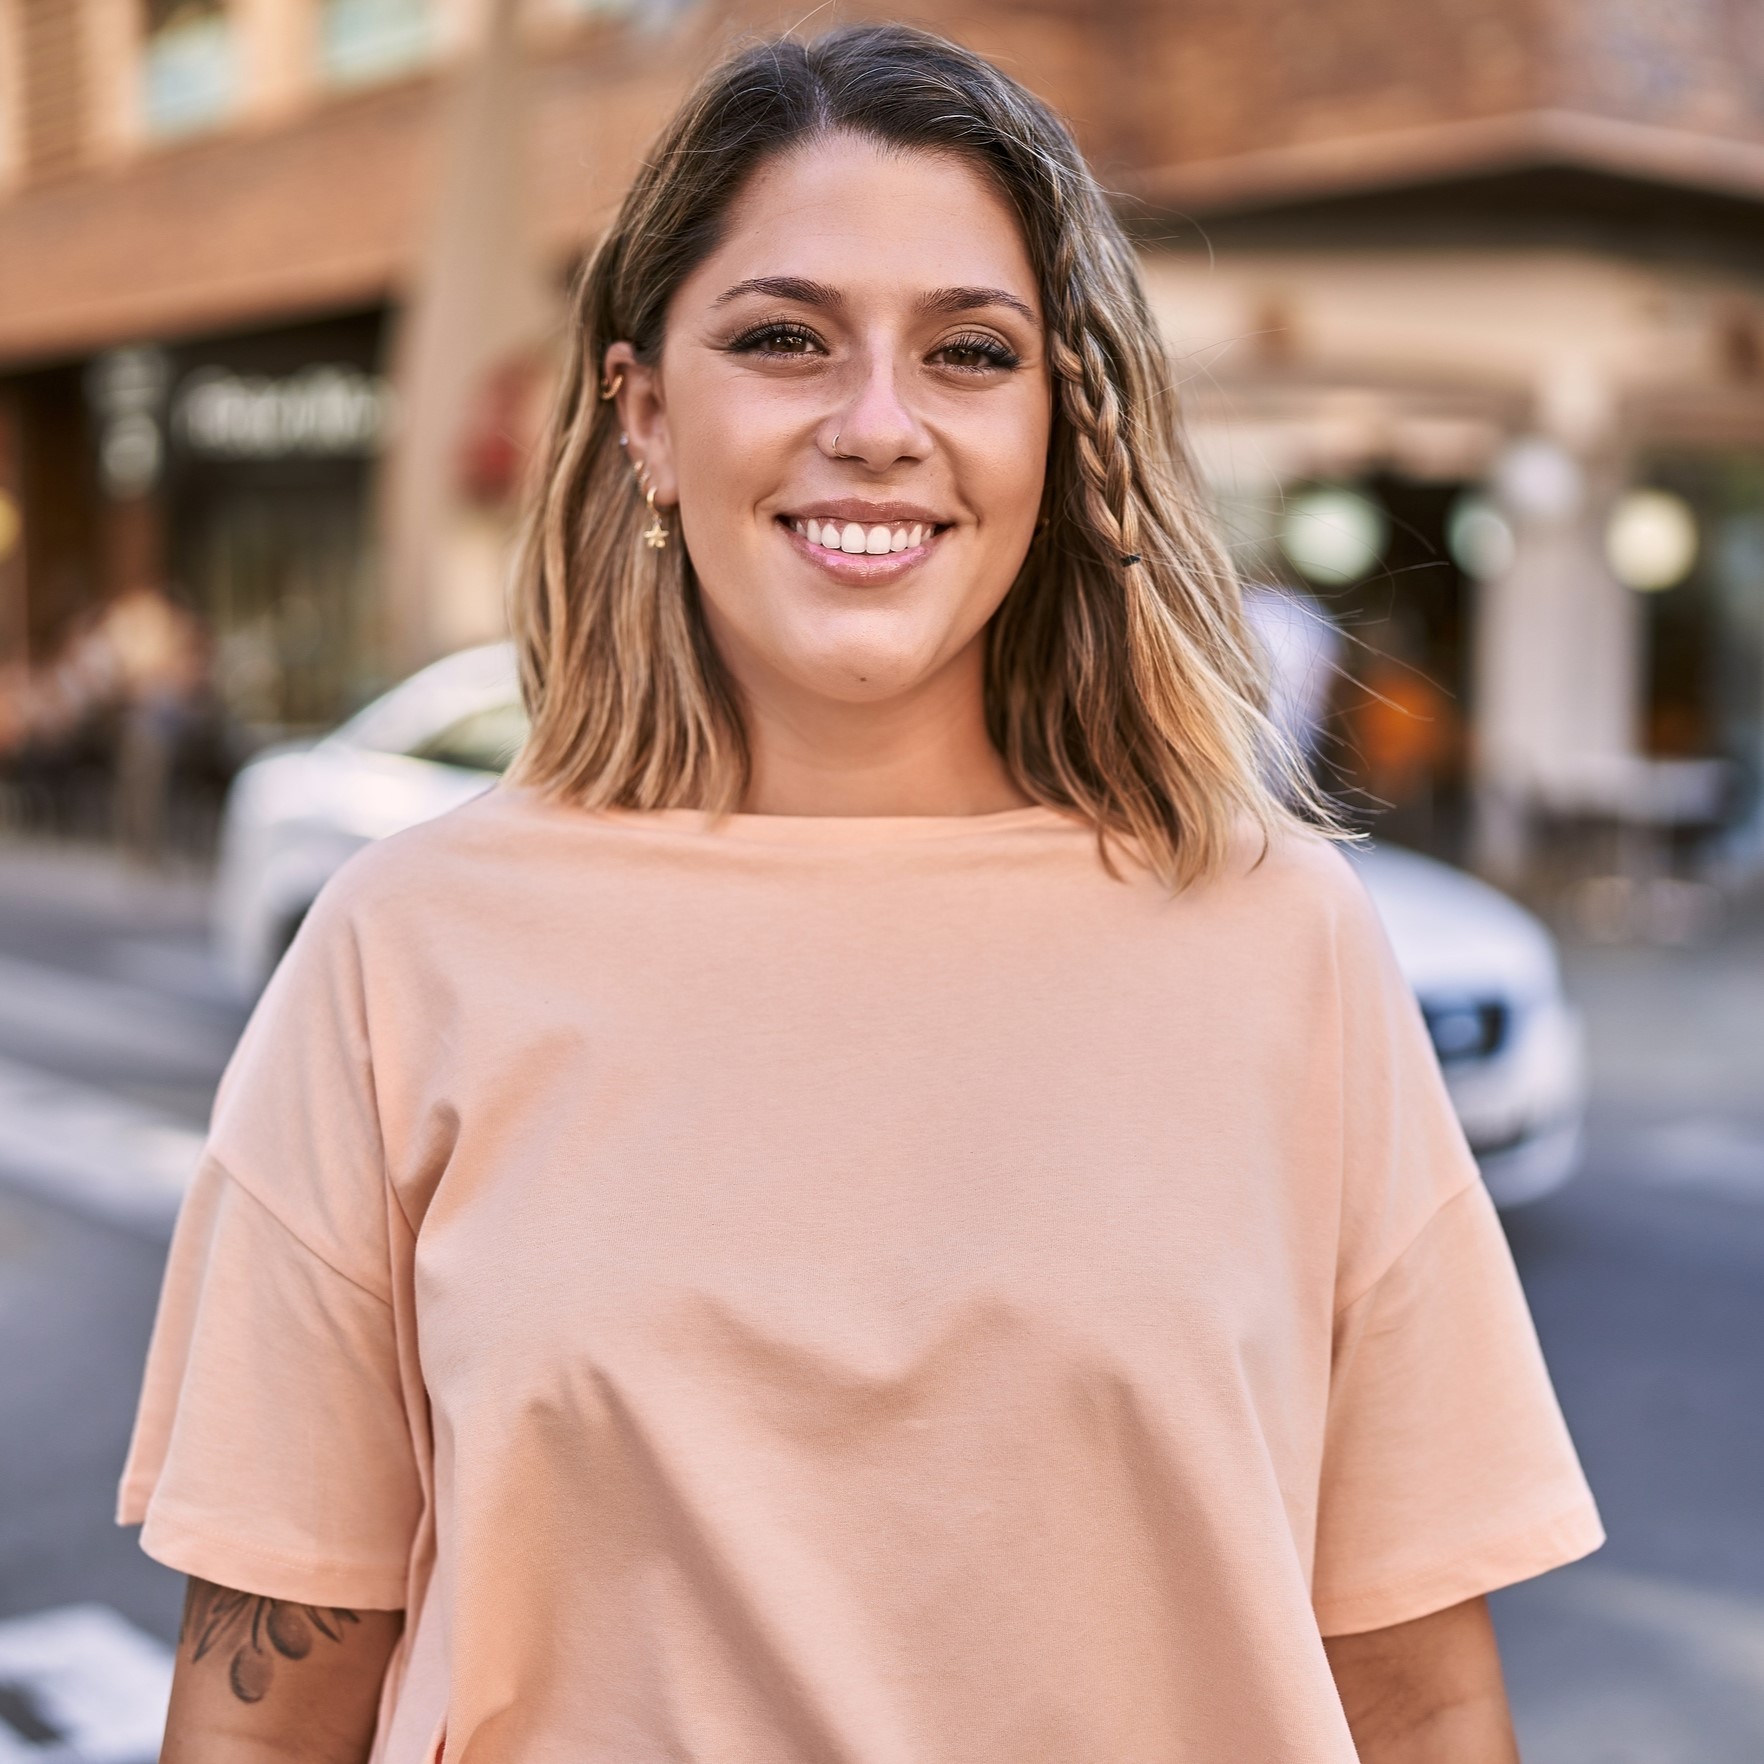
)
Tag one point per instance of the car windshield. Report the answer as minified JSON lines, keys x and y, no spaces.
{"x":485,"y":741}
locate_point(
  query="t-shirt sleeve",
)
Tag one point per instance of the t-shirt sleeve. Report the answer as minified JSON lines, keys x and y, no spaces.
{"x":273,"y":1447}
{"x":1447,"y":1467}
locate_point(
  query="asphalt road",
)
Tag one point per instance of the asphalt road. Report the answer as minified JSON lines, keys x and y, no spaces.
{"x":1646,"y":1277}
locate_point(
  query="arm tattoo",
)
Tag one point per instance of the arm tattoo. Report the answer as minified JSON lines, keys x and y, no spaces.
{"x":254,"y":1631}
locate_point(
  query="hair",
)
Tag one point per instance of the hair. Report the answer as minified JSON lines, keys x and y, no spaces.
{"x":1123,"y":681}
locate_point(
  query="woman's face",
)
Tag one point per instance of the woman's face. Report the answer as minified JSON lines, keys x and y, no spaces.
{"x":851,"y":413}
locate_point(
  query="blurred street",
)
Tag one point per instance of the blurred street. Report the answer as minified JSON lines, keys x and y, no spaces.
{"x":113,"y":1030}
{"x":1646,"y":1276}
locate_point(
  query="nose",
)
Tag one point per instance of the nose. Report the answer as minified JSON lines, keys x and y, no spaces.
{"x":877,"y":425}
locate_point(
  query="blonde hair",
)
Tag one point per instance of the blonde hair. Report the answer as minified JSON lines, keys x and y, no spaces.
{"x":1122,"y":682}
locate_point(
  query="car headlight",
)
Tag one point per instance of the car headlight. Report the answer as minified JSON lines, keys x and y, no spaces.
{"x":1467,"y":1028}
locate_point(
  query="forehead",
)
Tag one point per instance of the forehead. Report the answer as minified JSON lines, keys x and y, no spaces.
{"x":870,"y":220}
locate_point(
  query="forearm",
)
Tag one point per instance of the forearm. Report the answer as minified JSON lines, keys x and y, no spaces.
{"x":1426,"y":1692}
{"x":268,"y":1681}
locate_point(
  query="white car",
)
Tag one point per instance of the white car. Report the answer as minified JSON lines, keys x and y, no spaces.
{"x":298,"y":809}
{"x":1509,"y":1042}
{"x":1484,"y":969}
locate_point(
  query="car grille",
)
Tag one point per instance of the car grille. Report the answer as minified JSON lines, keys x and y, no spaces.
{"x":1467,"y":1029}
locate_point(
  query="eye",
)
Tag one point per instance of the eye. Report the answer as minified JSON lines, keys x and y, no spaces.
{"x":776,"y":337}
{"x":977,"y":353}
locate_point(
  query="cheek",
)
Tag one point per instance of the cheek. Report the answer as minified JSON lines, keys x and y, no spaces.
{"x":730,"y":447}
{"x":1006,"y":463}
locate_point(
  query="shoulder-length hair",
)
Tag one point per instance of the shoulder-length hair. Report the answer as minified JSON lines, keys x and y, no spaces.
{"x":1122,"y":680}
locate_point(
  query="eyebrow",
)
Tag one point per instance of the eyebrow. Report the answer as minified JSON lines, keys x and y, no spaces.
{"x":807,"y":293}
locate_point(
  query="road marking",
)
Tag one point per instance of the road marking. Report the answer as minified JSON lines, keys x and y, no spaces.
{"x":41,"y":1005}
{"x":106,"y":1155}
{"x":81,"y":1685}
{"x":188,"y":972}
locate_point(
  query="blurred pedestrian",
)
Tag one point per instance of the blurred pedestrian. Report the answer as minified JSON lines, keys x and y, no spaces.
{"x":882,"y":1195}
{"x":1303,"y":647}
{"x":155,"y":653}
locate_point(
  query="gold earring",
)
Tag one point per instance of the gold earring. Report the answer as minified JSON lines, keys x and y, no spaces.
{"x":655,"y":536}
{"x":610,"y":388}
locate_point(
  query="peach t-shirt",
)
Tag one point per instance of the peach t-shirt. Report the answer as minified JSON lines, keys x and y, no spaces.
{"x":879,"y":1290}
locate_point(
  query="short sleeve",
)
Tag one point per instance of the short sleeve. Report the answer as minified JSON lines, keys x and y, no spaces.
{"x":1447,"y":1467}
{"x":273,"y":1449}
{"x":1448,"y":1470}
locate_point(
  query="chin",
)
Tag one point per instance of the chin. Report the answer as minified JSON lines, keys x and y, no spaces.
{"x":860,"y":679}
{"x":864,"y":666}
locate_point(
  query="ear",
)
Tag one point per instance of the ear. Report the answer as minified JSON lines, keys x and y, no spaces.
{"x":643,"y":417}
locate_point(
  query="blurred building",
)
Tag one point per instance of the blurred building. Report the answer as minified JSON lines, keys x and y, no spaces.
{"x":216,"y":219}
{"x":1470,"y":304}
{"x":1468,"y":301}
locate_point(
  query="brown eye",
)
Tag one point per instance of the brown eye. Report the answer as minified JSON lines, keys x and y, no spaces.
{"x":977,"y":354}
{"x":776,"y":339}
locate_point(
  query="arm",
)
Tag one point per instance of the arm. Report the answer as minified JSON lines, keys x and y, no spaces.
{"x":1426,"y":1692}
{"x":261,"y":1679}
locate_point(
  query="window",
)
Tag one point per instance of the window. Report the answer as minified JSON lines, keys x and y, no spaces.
{"x":362,"y":40}
{"x":483,"y":741}
{"x":187,"y":65}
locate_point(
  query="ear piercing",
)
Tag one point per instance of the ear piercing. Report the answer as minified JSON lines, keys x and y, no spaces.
{"x":655,"y":536}
{"x":610,"y":388}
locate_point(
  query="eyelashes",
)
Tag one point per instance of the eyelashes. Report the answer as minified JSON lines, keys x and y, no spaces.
{"x":991,"y":351}
{"x":787,"y":339}
{"x":775,"y":337}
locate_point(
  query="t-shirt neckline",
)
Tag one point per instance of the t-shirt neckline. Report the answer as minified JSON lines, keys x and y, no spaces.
{"x":796,"y":829}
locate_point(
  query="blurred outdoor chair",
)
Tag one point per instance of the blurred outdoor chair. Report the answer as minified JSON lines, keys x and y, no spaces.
{"x":1633,"y":838}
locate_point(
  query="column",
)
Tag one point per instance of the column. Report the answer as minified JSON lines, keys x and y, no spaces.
{"x":1557,"y":641}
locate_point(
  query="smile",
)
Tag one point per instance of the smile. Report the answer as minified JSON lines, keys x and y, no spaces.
{"x":859,"y":552}
{"x":855,"y":539}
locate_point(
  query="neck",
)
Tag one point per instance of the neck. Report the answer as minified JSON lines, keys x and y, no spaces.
{"x":925,"y":752}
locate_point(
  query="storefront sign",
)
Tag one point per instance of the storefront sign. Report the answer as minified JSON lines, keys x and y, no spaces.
{"x":325,"y":411}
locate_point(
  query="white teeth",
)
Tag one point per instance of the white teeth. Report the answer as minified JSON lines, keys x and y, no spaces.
{"x":861,"y":541}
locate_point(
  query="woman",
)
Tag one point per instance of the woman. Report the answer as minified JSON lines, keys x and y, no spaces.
{"x":882,"y":1197}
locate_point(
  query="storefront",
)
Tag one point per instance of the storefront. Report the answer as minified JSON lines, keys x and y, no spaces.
{"x":1528,"y":481}
{"x":256,"y":452}
{"x":271,"y":444}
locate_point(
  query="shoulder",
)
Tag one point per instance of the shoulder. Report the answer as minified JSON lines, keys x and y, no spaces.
{"x":409,"y":890}
{"x":1297,"y":872}
{"x":400,"y":869}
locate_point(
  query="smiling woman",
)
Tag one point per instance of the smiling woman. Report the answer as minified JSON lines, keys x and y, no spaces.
{"x":865,"y":301}
{"x":882,"y":1197}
